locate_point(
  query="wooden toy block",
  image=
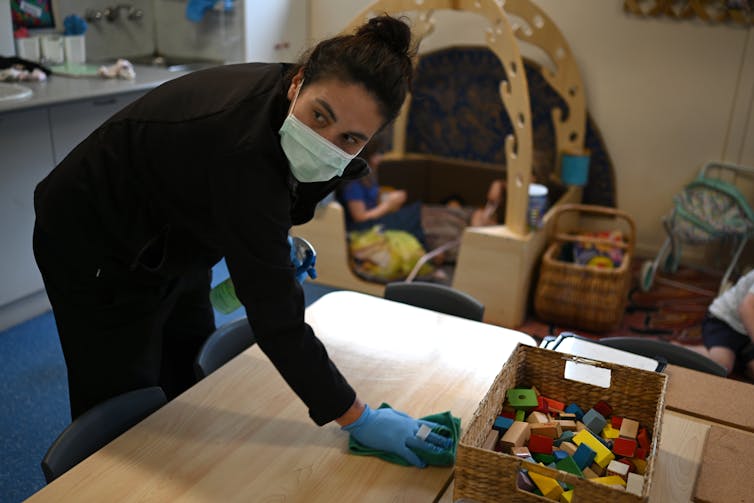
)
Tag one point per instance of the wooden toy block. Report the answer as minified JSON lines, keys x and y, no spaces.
{"x":584,"y":456}
{"x":640,"y":464}
{"x":536,"y":391}
{"x":549,"y":486}
{"x":594,"y":421}
{"x":629,"y":428}
{"x":603,"y":408}
{"x":555,"y":405}
{"x":575,"y":409}
{"x":609,"y":432}
{"x":616,"y":421}
{"x":540,"y":444}
{"x":510,"y":414}
{"x":567,"y":416}
{"x":538,"y":417}
{"x":566,"y":496}
{"x":516,"y":436}
{"x":545,"y":459}
{"x":611,"y":480}
{"x":599,"y":470}
{"x":589,"y":473}
{"x":502,"y":423}
{"x":491,"y":441}
{"x":568,"y":447}
{"x":643,"y":438}
{"x":618,"y":468}
{"x":522,"y":398}
{"x":567,"y":464}
{"x":524,"y":482}
{"x":640,"y":453}
{"x":560,"y":454}
{"x":580,"y":426}
{"x":566,"y":436}
{"x":520,"y":415}
{"x":521,"y":452}
{"x":634,"y":484}
{"x":624,"y":447}
{"x":551,"y":429}
{"x":542,"y":405}
{"x":567,"y":424}
{"x":603,"y":455}
{"x":629,"y":462}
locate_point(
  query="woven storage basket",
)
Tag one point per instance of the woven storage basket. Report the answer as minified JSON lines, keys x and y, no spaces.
{"x":579,"y":296}
{"x":488,"y":476}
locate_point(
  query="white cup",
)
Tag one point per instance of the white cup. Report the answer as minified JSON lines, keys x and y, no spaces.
{"x":52,"y":49}
{"x":75,"y":48}
{"x":28,"y":48}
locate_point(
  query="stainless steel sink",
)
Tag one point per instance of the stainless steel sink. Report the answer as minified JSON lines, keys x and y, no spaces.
{"x":14,"y":92}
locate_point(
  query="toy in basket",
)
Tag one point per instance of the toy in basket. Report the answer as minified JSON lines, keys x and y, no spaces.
{"x":619,"y":473}
{"x":584,"y":278}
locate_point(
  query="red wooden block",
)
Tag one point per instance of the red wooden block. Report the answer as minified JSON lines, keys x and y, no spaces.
{"x":624,"y":447}
{"x":643,"y":438}
{"x":542,"y":407}
{"x":555,"y":404}
{"x":603,"y":408}
{"x":641,"y":453}
{"x":509,"y":414}
{"x":540,"y":444}
{"x":616,"y":421}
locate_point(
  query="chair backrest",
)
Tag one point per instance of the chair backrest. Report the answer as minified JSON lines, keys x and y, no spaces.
{"x":98,"y":426}
{"x":673,"y":353}
{"x":224,"y":343}
{"x":436,"y":297}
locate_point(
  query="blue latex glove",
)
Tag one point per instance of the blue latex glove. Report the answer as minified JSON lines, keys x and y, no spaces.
{"x":195,"y":9}
{"x":303,"y":258}
{"x":393,"y":431}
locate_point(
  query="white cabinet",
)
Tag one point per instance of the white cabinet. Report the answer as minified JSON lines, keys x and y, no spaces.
{"x":32,"y":142}
{"x":72,"y":122}
{"x":27,"y":158}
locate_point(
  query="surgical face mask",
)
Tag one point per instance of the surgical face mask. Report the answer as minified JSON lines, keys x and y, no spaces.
{"x":311,"y":157}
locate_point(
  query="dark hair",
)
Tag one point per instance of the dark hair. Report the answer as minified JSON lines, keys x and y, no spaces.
{"x":377,"y":56}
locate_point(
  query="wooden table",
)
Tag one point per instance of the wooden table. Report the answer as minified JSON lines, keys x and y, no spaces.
{"x":242,"y":435}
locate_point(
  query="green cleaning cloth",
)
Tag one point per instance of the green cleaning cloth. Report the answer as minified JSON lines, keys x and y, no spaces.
{"x":450,"y":427}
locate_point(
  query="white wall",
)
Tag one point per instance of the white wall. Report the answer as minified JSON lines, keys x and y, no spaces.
{"x":667,"y":95}
{"x":7,"y":48}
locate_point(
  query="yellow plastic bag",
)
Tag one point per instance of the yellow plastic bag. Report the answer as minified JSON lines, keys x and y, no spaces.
{"x":385,"y":255}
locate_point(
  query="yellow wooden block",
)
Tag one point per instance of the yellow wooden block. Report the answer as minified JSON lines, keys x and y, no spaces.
{"x":549,"y":487}
{"x":611,"y":480}
{"x":609,"y":432}
{"x":603,"y":454}
{"x":566,"y":496}
{"x":640,"y":464}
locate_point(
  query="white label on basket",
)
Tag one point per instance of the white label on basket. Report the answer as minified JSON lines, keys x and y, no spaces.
{"x":588,"y":374}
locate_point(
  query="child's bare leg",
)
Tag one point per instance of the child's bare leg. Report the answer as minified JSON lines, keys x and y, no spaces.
{"x":724,"y":356}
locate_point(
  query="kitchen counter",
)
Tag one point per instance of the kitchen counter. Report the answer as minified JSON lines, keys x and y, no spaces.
{"x":60,"y":89}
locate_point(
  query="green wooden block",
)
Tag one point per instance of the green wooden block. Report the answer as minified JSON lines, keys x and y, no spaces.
{"x":521,"y":415}
{"x":522,"y":398}
{"x":567,"y":464}
{"x":543,"y":458}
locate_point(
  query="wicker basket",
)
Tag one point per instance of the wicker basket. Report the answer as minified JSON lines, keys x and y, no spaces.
{"x":579,"y":296}
{"x":488,"y":476}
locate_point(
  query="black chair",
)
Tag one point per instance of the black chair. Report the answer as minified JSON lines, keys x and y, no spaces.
{"x":97,"y":427}
{"x":224,"y":343}
{"x":672,"y":353}
{"x":436,"y":297}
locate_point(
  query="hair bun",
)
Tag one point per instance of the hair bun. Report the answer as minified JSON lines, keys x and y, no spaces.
{"x":393,"y":32}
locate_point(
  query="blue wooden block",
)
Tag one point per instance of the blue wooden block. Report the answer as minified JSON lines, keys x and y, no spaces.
{"x":559,"y":455}
{"x":502,"y":423}
{"x":575,"y":409}
{"x":584,"y":456}
{"x":594,"y":421}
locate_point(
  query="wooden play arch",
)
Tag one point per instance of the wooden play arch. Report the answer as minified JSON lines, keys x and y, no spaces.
{"x":495,"y":264}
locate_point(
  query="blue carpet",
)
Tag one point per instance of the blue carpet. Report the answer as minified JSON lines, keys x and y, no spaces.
{"x":34,"y":395}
